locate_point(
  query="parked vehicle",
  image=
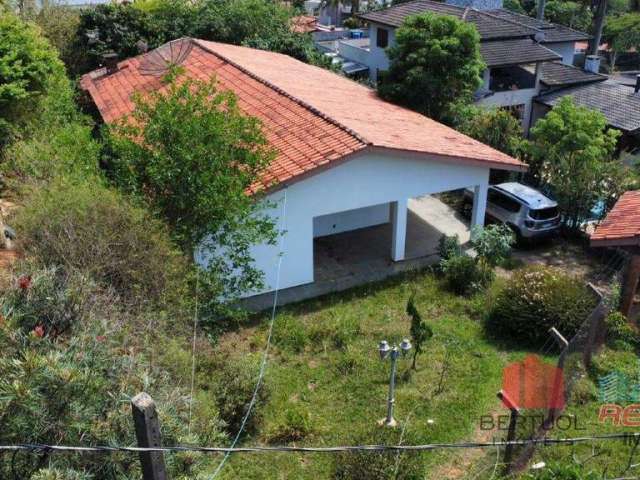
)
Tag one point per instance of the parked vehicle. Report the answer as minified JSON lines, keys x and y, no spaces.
{"x":527,"y":211}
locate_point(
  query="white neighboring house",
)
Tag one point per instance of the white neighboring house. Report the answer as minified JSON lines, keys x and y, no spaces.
{"x":513,"y":46}
{"x":345,"y":158}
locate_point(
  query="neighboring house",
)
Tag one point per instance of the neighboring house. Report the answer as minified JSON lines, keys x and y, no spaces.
{"x":621,"y":229}
{"x":513,"y":46}
{"x":619,"y":103}
{"x":345,"y":159}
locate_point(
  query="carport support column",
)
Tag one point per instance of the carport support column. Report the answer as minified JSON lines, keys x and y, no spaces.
{"x":398,"y":211}
{"x":479,"y":205}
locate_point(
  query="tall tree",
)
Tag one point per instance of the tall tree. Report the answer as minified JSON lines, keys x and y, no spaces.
{"x":435,"y":62}
{"x":599,"y":20}
{"x":193,"y":156}
{"x":572,"y":152}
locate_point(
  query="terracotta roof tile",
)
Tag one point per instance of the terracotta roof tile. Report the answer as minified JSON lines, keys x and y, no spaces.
{"x":310,"y":116}
{"x":621,"y":227}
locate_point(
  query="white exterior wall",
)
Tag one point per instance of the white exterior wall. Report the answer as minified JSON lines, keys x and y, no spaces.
{"x":377,"y":58}
{"x":350,"y":220}
{"x":566,"y":49}
{"x":512,"y":98}
{"x":373,"y":179}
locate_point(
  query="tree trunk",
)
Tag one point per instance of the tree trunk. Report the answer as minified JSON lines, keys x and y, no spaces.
{"x":601,"y":11}
{"x":541,"y":5}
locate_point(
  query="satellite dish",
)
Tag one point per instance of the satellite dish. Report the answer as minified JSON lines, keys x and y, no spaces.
{"x":160,"y":61}
{"x":539,"y":37}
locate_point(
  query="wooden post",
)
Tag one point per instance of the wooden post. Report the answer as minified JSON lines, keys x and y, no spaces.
{"x":630,"y":284}
{"x":511,"y":433}
{"x":147,"y":425}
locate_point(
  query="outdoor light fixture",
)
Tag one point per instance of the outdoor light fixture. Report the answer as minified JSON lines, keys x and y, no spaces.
{"x":385,"y":349}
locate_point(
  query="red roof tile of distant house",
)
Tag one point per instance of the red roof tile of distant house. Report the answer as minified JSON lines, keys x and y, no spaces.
{"x":312,"y":117}
{"x":304,"y":24}
{"x":621,"y":226}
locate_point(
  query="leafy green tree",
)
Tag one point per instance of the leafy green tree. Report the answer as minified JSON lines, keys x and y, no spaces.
{"x":113,"y":27}
{"x":434,"y":62}
{"x":572,"y":14}
{"x":27,"y":63}
{"x":495,"y":127}
{"x":572,"y":152}
{"x":514,"y":6}
{"x":623,"y":34}
{"x":420,"y":331}
{"x":193,"y":157}
{"x":59,"y":24}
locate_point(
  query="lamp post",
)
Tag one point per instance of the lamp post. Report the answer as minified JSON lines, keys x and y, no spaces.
{"x":387,"y":351}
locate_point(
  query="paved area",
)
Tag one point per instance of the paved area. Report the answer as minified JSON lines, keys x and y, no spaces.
{"x":349,"y":259}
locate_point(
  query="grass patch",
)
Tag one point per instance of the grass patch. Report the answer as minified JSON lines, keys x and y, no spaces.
{"x":325,"y":368}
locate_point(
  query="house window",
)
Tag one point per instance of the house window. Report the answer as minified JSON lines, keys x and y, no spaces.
{"x":382,"y":38}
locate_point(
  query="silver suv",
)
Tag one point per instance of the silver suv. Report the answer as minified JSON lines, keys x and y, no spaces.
{"x":527,"y":211}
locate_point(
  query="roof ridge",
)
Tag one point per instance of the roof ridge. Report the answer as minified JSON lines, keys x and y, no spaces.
{"x":508,"y":20}
{"x":274,"y":87}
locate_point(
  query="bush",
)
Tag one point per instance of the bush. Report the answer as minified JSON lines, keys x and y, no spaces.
{"x":289,"y":333}
{"x":234,"y":381}
{"x":449,"y":246}
{"x":46,"y":302}
{"x":492,"y":243}
{"x":377,"y":465}
{"x":463,"y":275}
{"x":94,"y":230}
{"x":295,"y":426}
{"x":620,"y":333}
{"x":536,"y":299}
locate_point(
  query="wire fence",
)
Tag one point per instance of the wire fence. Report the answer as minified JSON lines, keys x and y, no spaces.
{"x":573,"y":362}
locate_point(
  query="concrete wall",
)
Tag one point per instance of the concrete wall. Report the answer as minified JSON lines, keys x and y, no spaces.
{"x":350,"y":220}
{"x":348,"y":50}
{"x":511,"y":98}
{"x":566,"y":49}
{"x":377,"y":58}
{"x":372,"y":179}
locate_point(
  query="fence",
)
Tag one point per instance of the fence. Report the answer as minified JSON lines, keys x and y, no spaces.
{"x":575,"y":357}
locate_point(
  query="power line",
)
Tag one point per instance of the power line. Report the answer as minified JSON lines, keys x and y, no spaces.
{"x":36,"y":447}
{"x":265,"y":353}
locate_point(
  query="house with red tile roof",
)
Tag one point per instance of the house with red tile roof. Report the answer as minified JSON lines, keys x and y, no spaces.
{"x":345,"y":159}
{"x":621,"y":229}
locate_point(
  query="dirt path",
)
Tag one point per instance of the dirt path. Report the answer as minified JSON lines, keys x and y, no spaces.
{"x":461,"y":463}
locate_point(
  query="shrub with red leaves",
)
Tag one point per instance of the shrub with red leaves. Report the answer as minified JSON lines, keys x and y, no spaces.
{"x":24,"y":282}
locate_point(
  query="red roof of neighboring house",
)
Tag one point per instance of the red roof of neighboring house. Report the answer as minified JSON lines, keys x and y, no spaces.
{"x":304,"y":24}
{"x":311,"y":116}
{"x":621,"y":226}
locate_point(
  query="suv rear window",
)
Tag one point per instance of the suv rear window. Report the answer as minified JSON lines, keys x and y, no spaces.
{"x":544,"y":213}
{"x":502,"y":201}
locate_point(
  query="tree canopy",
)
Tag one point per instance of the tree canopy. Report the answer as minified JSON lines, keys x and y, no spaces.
{"x":496,"y":127}
{"x":572,"y":152}
{"x":118,"y":27}
{"x":434,"y":62}
{"x":192,"y":155}
{"x":623,"y":34}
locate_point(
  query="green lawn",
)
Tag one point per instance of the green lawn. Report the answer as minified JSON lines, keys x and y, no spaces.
{"x":325,"y":367}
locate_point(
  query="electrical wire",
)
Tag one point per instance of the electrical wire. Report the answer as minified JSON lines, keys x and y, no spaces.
{"x":193,"y":348}
{"x":265,"y":353}
{"x":36,"y":447}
